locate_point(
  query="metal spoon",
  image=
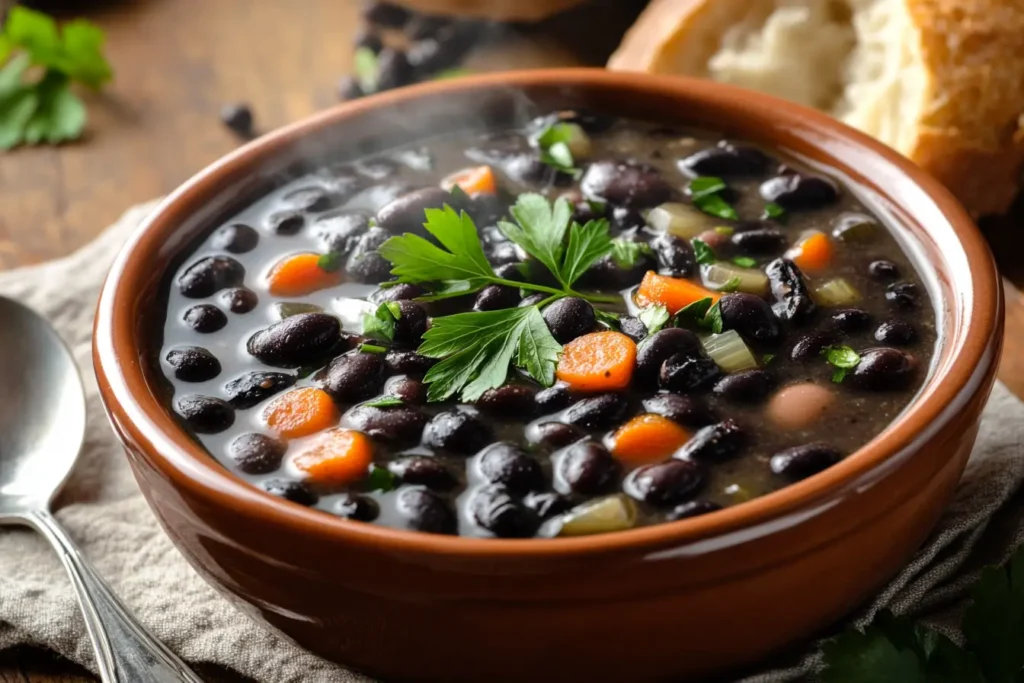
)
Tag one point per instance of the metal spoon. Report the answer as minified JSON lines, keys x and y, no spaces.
{"x":42,"y":425}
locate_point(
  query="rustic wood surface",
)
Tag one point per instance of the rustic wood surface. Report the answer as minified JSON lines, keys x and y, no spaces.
{"x":178,"y":61}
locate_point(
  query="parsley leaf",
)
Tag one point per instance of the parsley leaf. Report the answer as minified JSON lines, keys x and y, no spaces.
{"x":705,"y":255}
{"x":609,"y":319}
{"x":694,"y":314}
{"x":626,"y":253}
{"x":329,"y":262}
{"x":842,"y":358}
{"x":744,"y":262}
{"x":587,"y":244}
{"x":870,"y":656}
{"x":541,"y":228}
{"x":773,"y":210}
{"x":478,"y":347}
{"x":372,"y":348}
{"x":364,"y":63}
{"x":381,"y":323}
{"x":705,"y":193}
{"x":381,"y":479}
{"x":731,"y":285}
{"x":994,"y":623}
{"x":554,"y":144}
{"x":713,"y":320}
{"x":767,"y":358}
{"x":384,"y":402}
{"x":654,"y":317}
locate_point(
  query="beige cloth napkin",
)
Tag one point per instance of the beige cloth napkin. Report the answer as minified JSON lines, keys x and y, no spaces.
{"x":104,"y":511}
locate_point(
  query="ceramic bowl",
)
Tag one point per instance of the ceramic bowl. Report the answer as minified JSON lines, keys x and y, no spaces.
{"x":671,"y":601}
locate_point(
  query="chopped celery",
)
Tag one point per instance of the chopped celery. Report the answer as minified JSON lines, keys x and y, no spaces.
{"x":681,"y":220}
{"x":723,"y":275}
{"x":837,"y":292}
{"x":614,"y":513}
{"x":729,"y":351}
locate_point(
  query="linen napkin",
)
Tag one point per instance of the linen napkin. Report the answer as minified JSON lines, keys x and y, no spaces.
{"x":102,"y":508}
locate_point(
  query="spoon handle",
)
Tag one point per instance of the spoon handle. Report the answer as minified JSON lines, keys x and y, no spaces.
{"x":125,"y":651}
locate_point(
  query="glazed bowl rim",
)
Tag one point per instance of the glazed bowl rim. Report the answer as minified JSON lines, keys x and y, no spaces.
{"x":118,"y":360}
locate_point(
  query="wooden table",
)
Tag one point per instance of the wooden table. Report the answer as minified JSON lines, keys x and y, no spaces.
{"x":177,"y":61}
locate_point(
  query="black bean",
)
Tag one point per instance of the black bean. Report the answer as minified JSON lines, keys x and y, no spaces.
{"x":424,"y":510}
{"x":236,"y":238}
{"x":851,"y":320}
{"x":796,"y":191}
{"x":633,"y":327}
{"x":801,"y":462}
{"x":569,"y":318}
{"x":406,"y":388}
{"x":607,"y":275}
{"x":714,"y":443}
{"x":533,"y":299}
{"x":257,"y":453}
{"x":547,"y":504}
{"x":393,"y":69}
{"x":693,"y":508}
{"x":423,"y":471}
{"x":684,"y":373}
{"x":659,"y":347}
{"x":406,"y":212}
{"x":586,"y":467}
{"x":749,"y":315}
{"x":765,"y":241}
{"x":509,"y":465}
{"x":748,"y":386}
{"x":365,"y":264}
{"x":205,"y":414}
{"x":411,"y":324}
{"x":428,"y":55}
{"x":553,"y":399}
{"x":598,"y":412}
{"x":340,"y":232}
{"x":793,"y":299}
{"x":512,"y":401}
{"x":884,"y":369}
{"x":386,"y":14}
{"x":674,"y":255}
{"x":369,"y":40}
{"x":495,"y":297}
{"x":193,"y":363}
{"x":896,"y":333}
{"x":355,"y":507}
{"x":626,"y":183}
{"x":252,"y":388}
{"x":238,"y":300}
{"x":624,"y":219}
{"x":727,"y":161}
{"x":667,"y":483}
{"x":238,"y":118}
{"x":399,"y":425}
{"x":382,"y":168}
{"x":315,"y":199}
{"x":456,"y":431}
{"x":352,"y":377}
{"x":495,"y":510}
{"x":810,"y":346}
{"x":486,"y":208}
{"x":298,"y":340}
{"x":407,"y":362}
{"x":425,"y":26}
{"x":903,"y":295}
{"x":554,"y":434}
{"x":884,"y":270}
{"x":685,"y":410}
{"x":293,"y":491}
{"x":209,"y":275}
{"x":286,"y":222}
{"x":205,"y":318}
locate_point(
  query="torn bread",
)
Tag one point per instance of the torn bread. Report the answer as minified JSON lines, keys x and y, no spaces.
{"x":494,"y":10}
{"x":942,"y":81}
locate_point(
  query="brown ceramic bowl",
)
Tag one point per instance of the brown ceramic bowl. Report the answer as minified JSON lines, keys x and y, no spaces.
{"x":670,"y":601}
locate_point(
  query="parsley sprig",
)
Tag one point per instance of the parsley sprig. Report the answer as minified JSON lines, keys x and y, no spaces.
{"x":40,"y":63}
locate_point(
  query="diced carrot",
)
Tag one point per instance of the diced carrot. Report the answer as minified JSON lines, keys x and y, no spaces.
{"x":673,"y":293}
{"x":813,"y":253}
{"x":599,"y":361}
{"x":301,"y":412}
{"x":476,"y":180}
{"x":336,"y":457}
{"x":299,"y":275}
{"x":647,"y":438}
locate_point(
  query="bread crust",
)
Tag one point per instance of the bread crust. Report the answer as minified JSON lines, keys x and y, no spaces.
{"x":969,"y":132}
{"x":494,"y":10}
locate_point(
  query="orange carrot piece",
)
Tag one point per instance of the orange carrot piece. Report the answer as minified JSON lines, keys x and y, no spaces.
{"x":476,"y":180}
{"x":813,"y":253}
{"x":599,"y":361}
{"x":647,"y":439}
{"x":301,"y":412}
{"x":673,"y":293}
{"x":299,"y":275}
{"x":338,"y":456}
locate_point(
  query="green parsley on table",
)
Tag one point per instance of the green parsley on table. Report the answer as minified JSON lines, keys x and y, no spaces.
{"x":40,"y":62}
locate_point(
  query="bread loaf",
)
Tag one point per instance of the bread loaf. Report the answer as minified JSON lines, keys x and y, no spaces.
{"x":942,"y":81}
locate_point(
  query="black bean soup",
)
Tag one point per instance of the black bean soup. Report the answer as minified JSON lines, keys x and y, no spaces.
{"x":656,"y":324}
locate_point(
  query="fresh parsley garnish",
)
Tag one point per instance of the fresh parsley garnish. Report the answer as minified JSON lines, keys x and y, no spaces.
{"x":381,"y":479}
{"x":842,"y":358}
{"x":36,"y":101}
{"x":773,"y":210}
{"x":705,"y":192}
{"x":554,"y":146}
{"x":330,"y":262}
{"x":744,"y":262}
{"x":384,"y":402}
{"x":609,"y":319}
{"x":627,"y":253}
{"x":693,"y":316}
{"x":713,"y":320}
{"x":731,"y":285}
{"x":365,"y":65}
{"x":654,"y":317}
{"x":767,"y":358}
{"x":381,"y":323}
{"x":705,"y":255}
{"x":372,"y":348}
{"x":895,"y":649}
